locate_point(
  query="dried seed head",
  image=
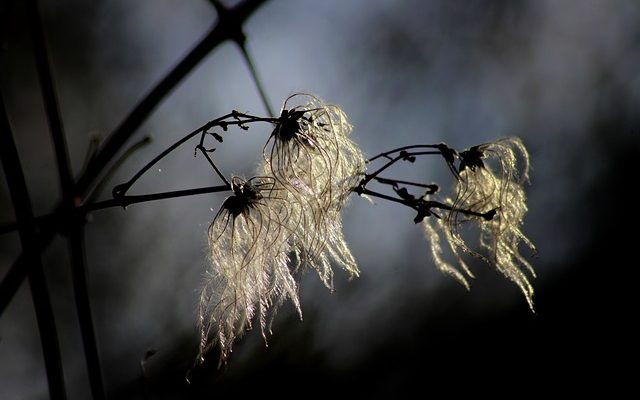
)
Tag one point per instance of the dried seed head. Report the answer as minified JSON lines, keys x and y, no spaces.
{"x":498,"y":194}
{"x":312,"y":157}
{"x":249,"y":264}
{"x":281,"y":222}
{"x":311,"y":145}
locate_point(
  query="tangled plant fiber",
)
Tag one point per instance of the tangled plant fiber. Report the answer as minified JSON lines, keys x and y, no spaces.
{"x":287,"y":219}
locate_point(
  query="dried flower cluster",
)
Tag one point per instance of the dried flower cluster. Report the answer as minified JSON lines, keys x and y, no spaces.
{"x":287,"y":219}
{"x":480,"y":189}
{"x":284,"y":220}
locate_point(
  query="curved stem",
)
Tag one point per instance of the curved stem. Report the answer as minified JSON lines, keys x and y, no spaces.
{"x":223,"y":30}
{"x":219,"y":33}
{"x":233,"y":118}
{"x":422,"y":205}
{"x":404,"y":155}
{"x":254,"y":74}
{"x":121,"y":190}
{"x":213,"y":165}
{"x":97,"y":191}
{"x":394,"y":182}
{"x":124,"y":201}
{"x":386,"y":154}
{"x":387,"y":197}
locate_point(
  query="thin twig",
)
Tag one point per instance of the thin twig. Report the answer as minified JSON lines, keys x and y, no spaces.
{"x":221,"y":32}
{"x":124,"y":201}
{"x":420,"y":204}
{"x":205,"y":153}
{"x":48,"y":225}
{"x":21,"y":267}
{"x":256,"y":77}
{"x":403,"y":156}
{"x":238,"y":119}
{"x":393,"y":182}
{"x":398,"y":200}
{"x":386,"y":154}
{"x":95,"y":194}
{"x":47,"y":329}
{"x":50,"y":99}
{"x":233,"y":118}
{"x":122,"y":189}
{"x":83,"y":307}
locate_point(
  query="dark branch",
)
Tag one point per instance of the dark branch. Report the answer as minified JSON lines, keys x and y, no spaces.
{"x":50,"y":223}
{"x":50,"y":99}
{"x":224,"y":30}
{"x":76,"y":239}
{"x":83,"y":307}
{"x":386,"y":154}
{"x":124,"y":201}
{"x":385,"y":197}
{"x":395,"y":182}
{"x":402,"y":156}
{"x":21,"y":267}
{"x":256,"y":78}
{"x":447,"y":153}
{"x":39,"y":221}
{"x":95,"y":194}
{"x":422,"y":206}
{"x":233,"y":118}
{"x":27,"y":230}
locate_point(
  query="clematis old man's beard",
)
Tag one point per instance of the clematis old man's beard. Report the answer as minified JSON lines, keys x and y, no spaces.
{"x":311,"y":155}
{"x":285,"y":221}
{"x":249,"y":264}
{"x":489,"y":179}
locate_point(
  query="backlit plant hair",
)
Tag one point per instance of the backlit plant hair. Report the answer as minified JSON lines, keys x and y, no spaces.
{"x":489,"y":179}
{"x":288,"y":219}
{"x":312,"y":156}
{"x":248,"y":263}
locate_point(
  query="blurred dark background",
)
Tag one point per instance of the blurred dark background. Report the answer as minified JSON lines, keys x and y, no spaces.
{"x":562,"y":75}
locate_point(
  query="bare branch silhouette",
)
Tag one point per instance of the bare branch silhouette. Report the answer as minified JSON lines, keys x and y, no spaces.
{"x":76,"y":229}
{"x":284,"y":220}
{"x":224,"y":29}
{"x":27,"y":230}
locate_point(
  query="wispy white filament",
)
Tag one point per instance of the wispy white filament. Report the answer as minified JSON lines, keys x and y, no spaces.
{"x":249,"y":267}
{"x":317,"y":165}
{"x":498,"y":185}
{"x":287,"y":220}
